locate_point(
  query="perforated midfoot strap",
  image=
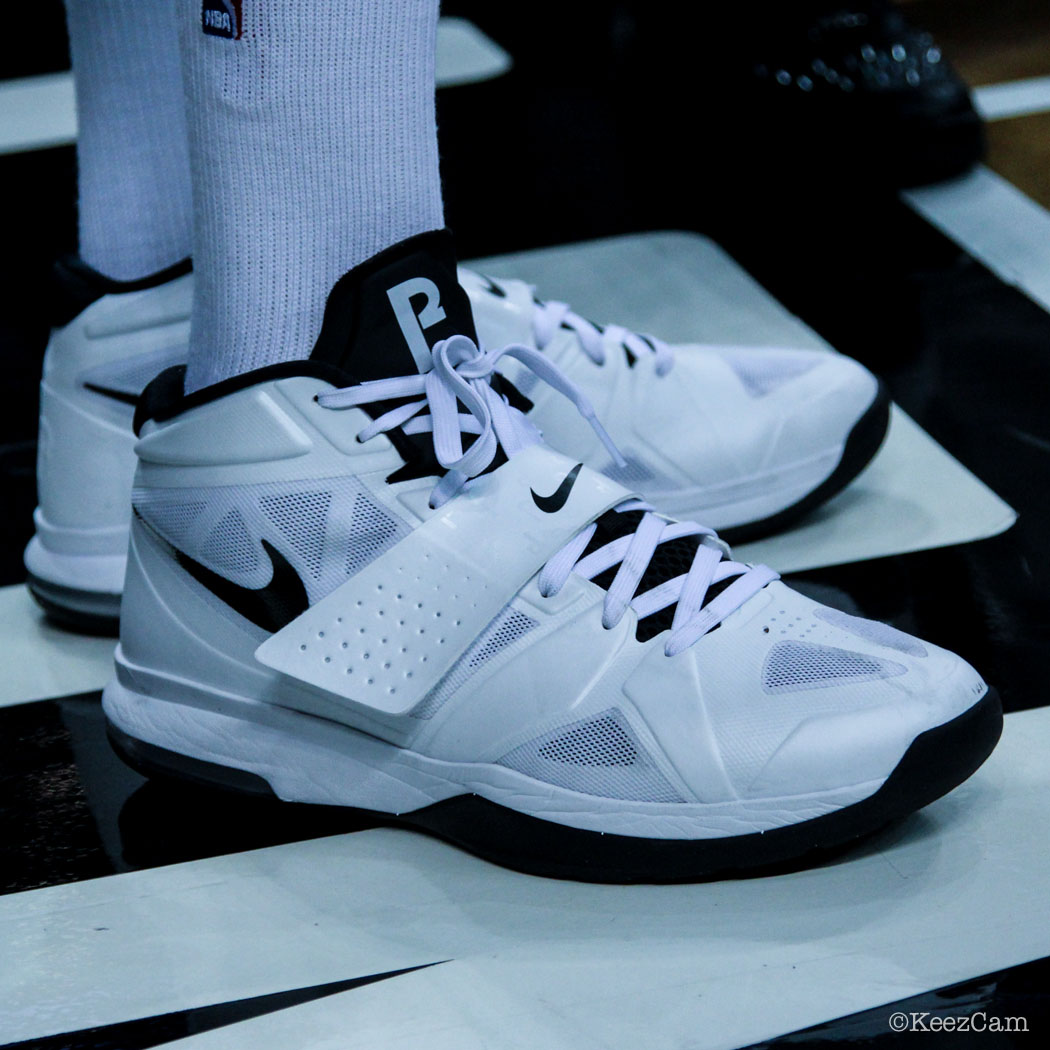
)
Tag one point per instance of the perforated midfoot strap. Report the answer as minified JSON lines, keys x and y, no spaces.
{"x":386,"y":637}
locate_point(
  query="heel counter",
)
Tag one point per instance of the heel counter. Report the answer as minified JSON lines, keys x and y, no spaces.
{"x":95,"y":366}
{"x":85,"y":463}
{"x":172,"y":627}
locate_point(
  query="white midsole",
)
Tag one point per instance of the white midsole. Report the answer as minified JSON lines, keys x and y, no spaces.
{"x":95,"y":573}
{"x":309,"y":759}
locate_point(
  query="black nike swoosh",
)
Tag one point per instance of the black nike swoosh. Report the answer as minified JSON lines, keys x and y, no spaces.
{"x":113,"y":395}
{"x":270,"y":607}
{"x":493,"y":288}
{"x":556,"y":500}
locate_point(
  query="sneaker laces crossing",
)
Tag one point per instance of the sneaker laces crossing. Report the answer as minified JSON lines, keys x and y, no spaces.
{"x":461,"y":375}
{"x":548,"y":317}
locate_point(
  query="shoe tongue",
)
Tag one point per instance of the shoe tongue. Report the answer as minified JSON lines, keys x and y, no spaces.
{"x":383,"y":317}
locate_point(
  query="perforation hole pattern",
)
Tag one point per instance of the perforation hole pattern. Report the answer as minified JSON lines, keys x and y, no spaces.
{"x":598,"y":756}
{"x":302,"y":517}
{"x":509,"y":627}
{"x":797,"y":666}
{"x":372,"y":531}
{"x":230,"y":545}
{"x":172,"y":518}
{"x":327,"y":532}
{"x":599,"y":742}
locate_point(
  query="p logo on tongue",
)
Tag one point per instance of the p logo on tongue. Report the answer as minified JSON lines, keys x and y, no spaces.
{"x":384,"y":316}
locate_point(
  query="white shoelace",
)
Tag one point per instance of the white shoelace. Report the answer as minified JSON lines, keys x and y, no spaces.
{"x":548,"y":317}
{"x":461,"y":375}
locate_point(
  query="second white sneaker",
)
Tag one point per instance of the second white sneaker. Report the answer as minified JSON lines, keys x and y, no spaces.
{"x":743,"y":439}
{"x":109,"y":340}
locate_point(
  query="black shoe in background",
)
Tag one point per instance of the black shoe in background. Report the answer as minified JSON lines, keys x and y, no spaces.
{"x":829,"y":95}
{"x":859,"y":71}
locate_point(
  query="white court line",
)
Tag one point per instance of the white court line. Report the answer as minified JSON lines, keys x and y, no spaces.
{"x":1016,"y":98}
{"x":960,"y":890}
{"x":40,"y":112}
{"x":996,"y":223}
{"x":37,"y":113}
{"x":40,"y":660}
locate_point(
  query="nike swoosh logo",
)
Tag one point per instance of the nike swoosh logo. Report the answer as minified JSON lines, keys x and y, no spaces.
{"x":492,"y":288}
{"x":556,"y":500}
{"x":114,"y":395}
{"x":270,"y":607}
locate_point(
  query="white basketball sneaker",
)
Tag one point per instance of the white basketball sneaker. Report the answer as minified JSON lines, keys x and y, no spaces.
{"x":111,"y":338}
{"x":363,"y":580}
{"x":743,"y":439}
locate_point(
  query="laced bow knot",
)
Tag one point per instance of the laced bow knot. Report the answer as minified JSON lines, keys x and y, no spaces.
{"x":461,"y":374}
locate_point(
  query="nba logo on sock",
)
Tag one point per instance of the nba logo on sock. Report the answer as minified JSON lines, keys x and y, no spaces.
{"x":221,"y":18}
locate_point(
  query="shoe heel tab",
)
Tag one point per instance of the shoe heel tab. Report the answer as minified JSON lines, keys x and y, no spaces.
{"x":166,"y":396}
{"x":75,"y":286}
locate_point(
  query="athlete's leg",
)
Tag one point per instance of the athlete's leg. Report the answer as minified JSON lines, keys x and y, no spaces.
{"x":131,"y":147}
{"x":313,"y":146}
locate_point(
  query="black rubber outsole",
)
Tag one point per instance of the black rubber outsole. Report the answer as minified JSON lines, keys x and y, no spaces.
{"x":932,"y":151}
{"x":936,"y":762}
{"x":64,"y":607}
{"x":864,"y":440}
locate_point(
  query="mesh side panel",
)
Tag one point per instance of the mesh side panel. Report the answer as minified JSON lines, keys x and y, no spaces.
{"x":599,"y":742}
{"x":230,"y":545}
{"x":171,"y":517}
{"x":302,"y":517}
{"x":372,"y":531}
{"x":633,"y":473}
{"x":762,"y":372}
{"x":873,"y":631}
{"x":506,"y":629}
{"x":326,"y":528}
{"x":599,"y":756}
{"x":796,"y":666}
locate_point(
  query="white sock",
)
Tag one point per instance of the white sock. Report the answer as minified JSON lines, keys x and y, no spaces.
{"x":133,"y":171}
{"x":313,"y":146}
